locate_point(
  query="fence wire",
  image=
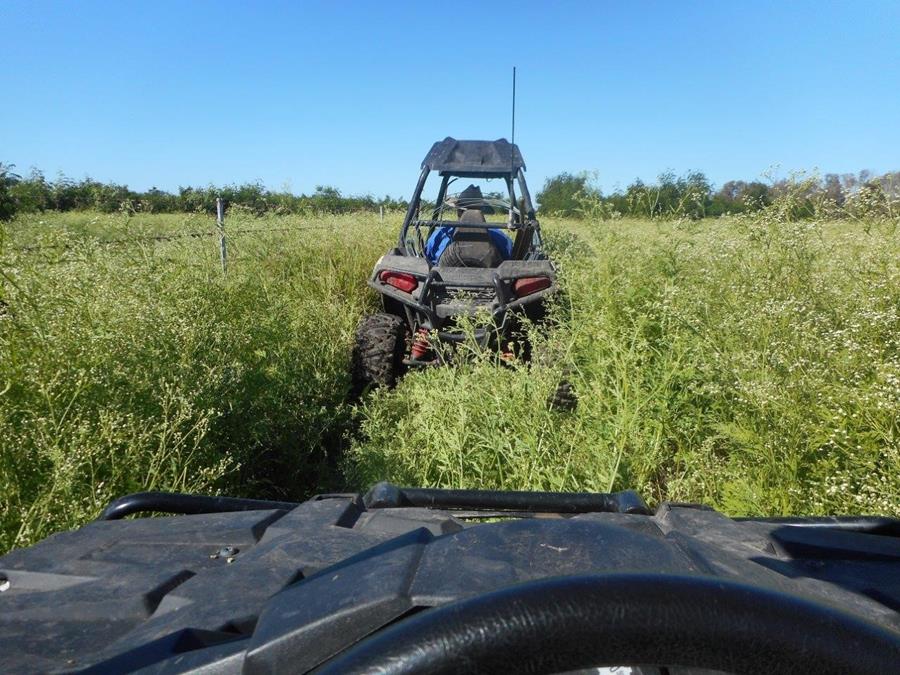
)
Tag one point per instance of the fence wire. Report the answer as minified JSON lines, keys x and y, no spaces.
{"x":162,"y":237}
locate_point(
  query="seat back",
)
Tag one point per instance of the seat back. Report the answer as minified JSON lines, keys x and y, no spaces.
{"x":471,"y":246}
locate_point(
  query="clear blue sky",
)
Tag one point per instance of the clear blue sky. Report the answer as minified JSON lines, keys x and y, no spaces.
{"x":353,"y":94}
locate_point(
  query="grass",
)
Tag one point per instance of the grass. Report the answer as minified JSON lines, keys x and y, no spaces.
{"x":750,"y":364}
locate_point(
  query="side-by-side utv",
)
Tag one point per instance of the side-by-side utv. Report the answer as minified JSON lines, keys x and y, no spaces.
{"x":467,"y":253}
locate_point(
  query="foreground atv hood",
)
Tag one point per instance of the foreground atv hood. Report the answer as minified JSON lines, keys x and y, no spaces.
{"x":287,"y":589}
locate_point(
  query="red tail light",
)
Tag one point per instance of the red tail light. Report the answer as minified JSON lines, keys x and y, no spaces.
{"x":405,"y":282}
{"x":528,"y":285}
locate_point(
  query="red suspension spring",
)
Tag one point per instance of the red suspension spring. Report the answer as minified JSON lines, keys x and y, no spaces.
{"x":420,"y":345}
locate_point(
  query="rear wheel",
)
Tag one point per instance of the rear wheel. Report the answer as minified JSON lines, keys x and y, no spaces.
{"x":564,"y":398}
{"x":377,"y":352}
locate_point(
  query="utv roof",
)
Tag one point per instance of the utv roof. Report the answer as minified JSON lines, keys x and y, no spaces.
{"x":474,"y":159}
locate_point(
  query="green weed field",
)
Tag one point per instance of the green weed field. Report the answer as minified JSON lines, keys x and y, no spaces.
{"x":753,"y":364}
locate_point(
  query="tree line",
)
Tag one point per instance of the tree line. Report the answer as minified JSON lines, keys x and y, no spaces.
{"x":35,"y":193}
{"x":690,"y":195}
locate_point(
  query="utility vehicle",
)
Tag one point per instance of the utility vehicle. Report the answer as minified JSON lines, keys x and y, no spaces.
{"x":408,"y":580}
{"x":468,"y":252}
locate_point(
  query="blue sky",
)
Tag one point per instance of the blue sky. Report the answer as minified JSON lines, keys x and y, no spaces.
{"x":353,"y":94}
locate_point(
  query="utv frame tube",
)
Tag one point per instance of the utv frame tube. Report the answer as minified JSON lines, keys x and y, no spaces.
{"x":386,"y":495}
{"x":182,"y":504}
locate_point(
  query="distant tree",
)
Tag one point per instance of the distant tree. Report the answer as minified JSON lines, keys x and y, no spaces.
{"x":671,"y":196}
{"x":694,"y":195}
{"x":890,"y":184}
{"x":641,"y":200}
{"x":848,"y":182}
{"x":562,"y":194}
{"x":732,"y":190}
{"x":8,"y":180}
{"x":157,"y":201}
{"x":325,"y":199}
{"x":31,"y":194}
{"x":756,"y":196}
{"x":738,"y":196}
{"x":832,"y":188}
{"x":110,"y":197}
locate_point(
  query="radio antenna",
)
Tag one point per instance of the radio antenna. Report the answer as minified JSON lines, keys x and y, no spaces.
{"x":512,"y":154}
{"x":512,"y":151}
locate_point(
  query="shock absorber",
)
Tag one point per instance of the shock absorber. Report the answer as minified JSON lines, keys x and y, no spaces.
{"x":420,"y":345}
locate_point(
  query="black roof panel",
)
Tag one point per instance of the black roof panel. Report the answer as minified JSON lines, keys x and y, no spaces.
{"x":474,"y":158}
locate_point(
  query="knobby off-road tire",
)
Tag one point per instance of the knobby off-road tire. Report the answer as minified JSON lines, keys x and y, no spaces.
{"x":377,"y":352}
{"x":564,"y":398}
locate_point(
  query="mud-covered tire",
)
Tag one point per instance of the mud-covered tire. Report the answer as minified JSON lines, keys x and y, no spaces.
{"x":377,"y":359}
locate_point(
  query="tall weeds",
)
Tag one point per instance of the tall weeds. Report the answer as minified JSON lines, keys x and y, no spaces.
{"x":749,"y":363}
{"x":752,"y":364}
{"x":140,"y":367}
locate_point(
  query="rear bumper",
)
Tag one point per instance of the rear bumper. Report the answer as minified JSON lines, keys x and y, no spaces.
{"x":432,"y":309}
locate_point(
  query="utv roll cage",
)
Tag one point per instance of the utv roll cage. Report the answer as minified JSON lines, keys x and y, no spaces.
{"x":451,"y":262}
{"x":451,"y":159}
